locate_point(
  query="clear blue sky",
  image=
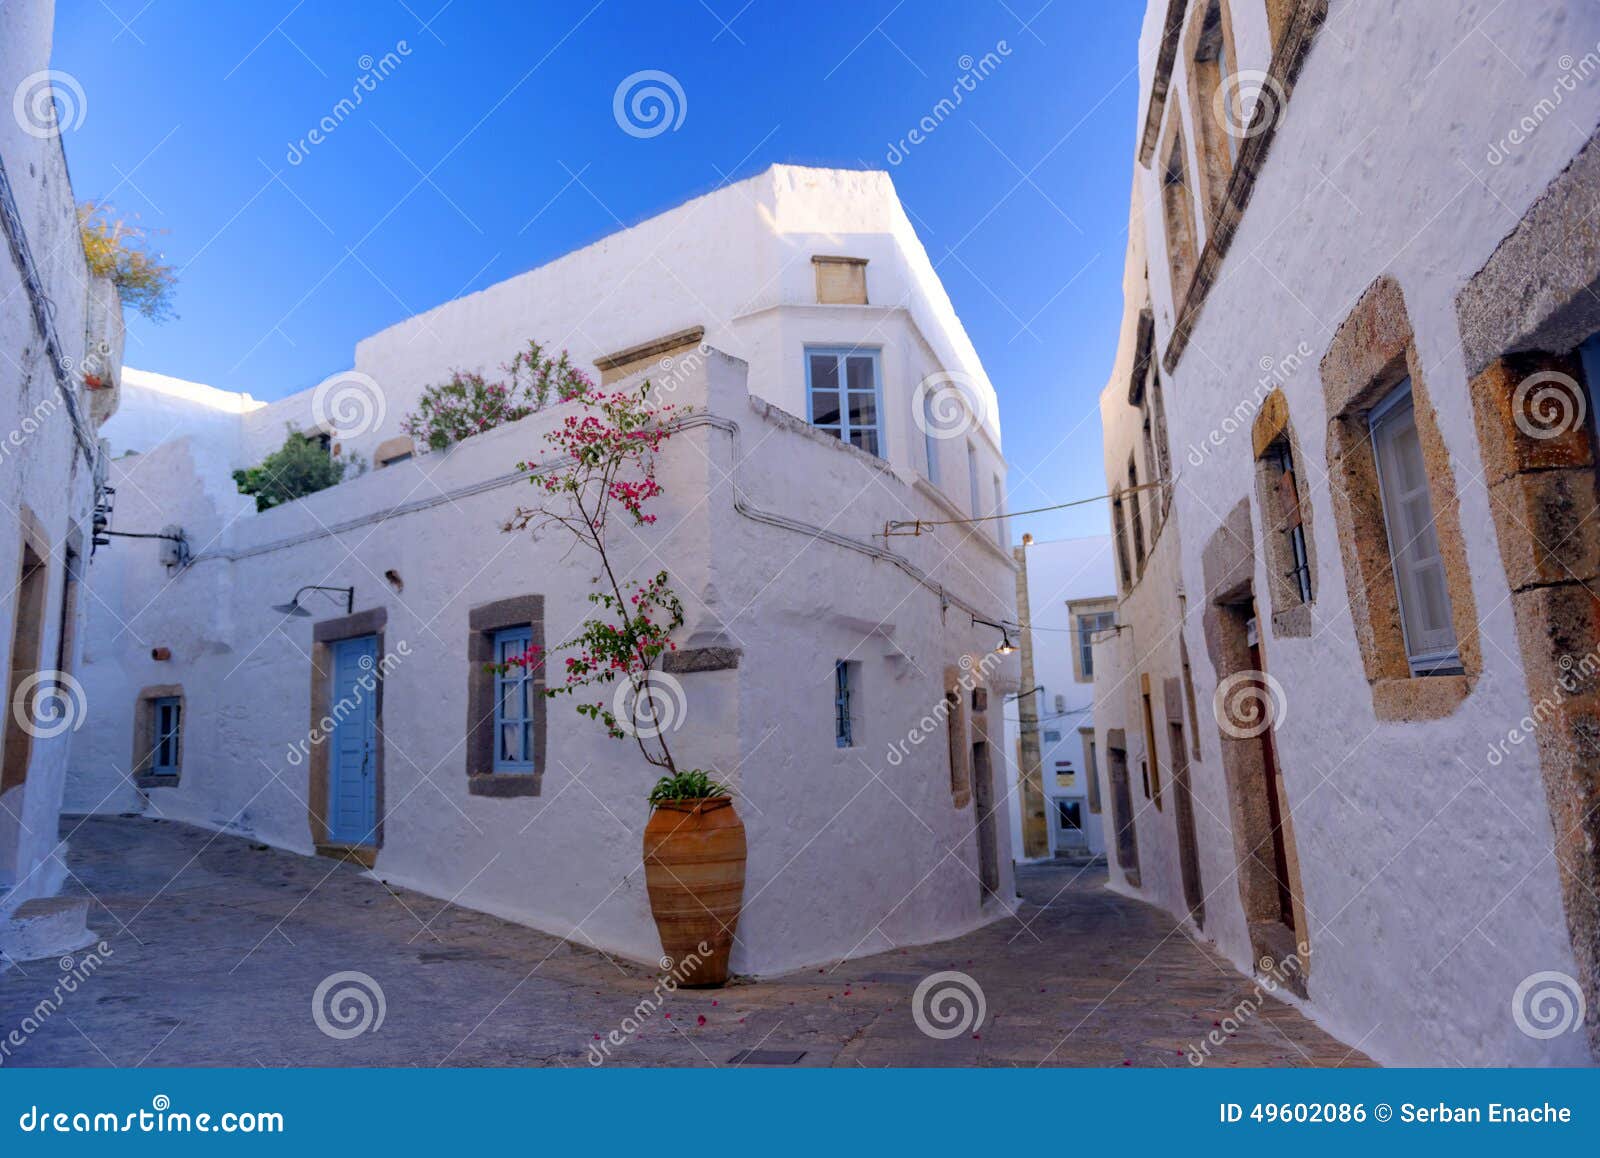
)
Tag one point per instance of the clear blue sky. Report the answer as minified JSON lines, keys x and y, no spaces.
{"x":492,"y":149}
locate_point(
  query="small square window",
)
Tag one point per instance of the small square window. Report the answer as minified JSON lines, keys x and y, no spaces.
{"x":843,"y":396}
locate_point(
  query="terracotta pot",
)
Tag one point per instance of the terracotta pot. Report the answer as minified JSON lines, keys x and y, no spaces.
{"x":694,"y":854}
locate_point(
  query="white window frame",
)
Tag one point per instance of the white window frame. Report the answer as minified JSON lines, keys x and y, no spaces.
{"x":844,"y":429}
{"x":1425,"y":656}
{"x":930,"y":443}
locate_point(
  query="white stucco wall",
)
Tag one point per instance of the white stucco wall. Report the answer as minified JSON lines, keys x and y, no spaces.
{"x":1428,"y":877}
{"x":767,"y":526}
{"x":45,"y":476}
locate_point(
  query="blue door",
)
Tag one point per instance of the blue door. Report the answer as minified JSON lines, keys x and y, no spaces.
{"x":353,"y":768}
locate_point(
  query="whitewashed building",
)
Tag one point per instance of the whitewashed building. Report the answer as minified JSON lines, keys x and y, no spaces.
{"x":1349,"y":719}
{"x":1071,"y":602}
{"x":60,"y":364}
{"x":814,"y":644}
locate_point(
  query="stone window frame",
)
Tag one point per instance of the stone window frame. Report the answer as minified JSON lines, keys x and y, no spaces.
{"x":1179,"y":227}
{"x":1523,"y":317}
{"x":1372,"y":352}
{"x":1120,"y":531}
{"x":144,"y":735}
{"x":1077,"y":609}
{"x":1145,"y":394}
{"x":1136,"y":527}
{"x":1271,"y":433}
{"x":392,"y":450}
{"x":482,"y":623}
{"x":1091,"y":768}
{"x":324,"y":634}
{"x":661,"y":353}
{"x":1152,"y":752}
{"x":1206,"y":86}
{"x":1293,"y":24}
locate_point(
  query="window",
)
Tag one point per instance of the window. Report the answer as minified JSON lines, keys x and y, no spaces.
{"x":1220,"y":110}
{"x":930,"y":444}
{"x":999,"y":513}
{"x":513,"y":704}
{"x":1052,"y":737}
{"x":843,"y":396}
{"x":1135,"y":508}
{"x":1177,"y":209}
{"x":1088,"y":626}
{"x":1152,"y":760}
{"x":972,"y":478}
{"x":1419,"y":574}
{"x":1290,"y":525}
{"x":166,"y":727}
{"x":843,"y":708}
{"x":1119,"y":526}
{"x":1069,"y":815}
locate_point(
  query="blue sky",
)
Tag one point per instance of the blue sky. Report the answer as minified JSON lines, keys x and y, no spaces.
{"x":492,"y":149}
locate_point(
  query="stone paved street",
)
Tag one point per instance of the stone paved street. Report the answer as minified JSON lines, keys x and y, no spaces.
{"x":218,"y":945}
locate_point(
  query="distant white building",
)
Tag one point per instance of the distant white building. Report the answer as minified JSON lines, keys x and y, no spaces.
{"x":1072,"y":599}
{"x":60,"y":367}
{"x":797,"y":313}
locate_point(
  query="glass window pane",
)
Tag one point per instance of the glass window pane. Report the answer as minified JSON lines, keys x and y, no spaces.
{"x":858,"y":372}
{"x":527,"y":699}
{"x":510,"y":742}
{"x":825,"y":409}
{"x":867,"y":440}
{"x":833,"y":430}
{"x":824,"y":372}
{"x":863,"y":410}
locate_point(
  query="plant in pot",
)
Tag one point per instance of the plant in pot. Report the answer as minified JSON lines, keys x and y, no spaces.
{"x":604,"y":457}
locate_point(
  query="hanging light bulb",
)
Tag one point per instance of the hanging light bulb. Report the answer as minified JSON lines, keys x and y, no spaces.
{"x":1005,"y":647}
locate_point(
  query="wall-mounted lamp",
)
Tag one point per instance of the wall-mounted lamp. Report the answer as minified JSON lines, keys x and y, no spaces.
{"x":1005,"y":646}
{"x":1027,"y":539}
{"x":293,"y":606}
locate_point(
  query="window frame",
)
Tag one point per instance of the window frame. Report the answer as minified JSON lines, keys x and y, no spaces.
{"x":523,"y":680}
{"x":1423,"y":661}
{"x":1089,"y":623}
{"x":843,"y":429}
{"x":843,"y":705}
{"x":161,"y":736}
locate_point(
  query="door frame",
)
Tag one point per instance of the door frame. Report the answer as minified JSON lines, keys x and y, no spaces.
{"x":325,"y":634}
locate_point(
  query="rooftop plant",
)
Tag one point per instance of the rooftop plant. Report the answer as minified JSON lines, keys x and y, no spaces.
{"x":300,"y":467}
{"x":468,"y":403}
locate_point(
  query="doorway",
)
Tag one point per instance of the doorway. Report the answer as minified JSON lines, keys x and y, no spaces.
{"x":1122,"y":806}
{"x":988,"y":845}
{"x":352,"y":767}
{"x":1188,"y":849}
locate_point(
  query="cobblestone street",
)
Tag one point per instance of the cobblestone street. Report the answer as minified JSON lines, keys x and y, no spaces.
{"x":218,"y":945}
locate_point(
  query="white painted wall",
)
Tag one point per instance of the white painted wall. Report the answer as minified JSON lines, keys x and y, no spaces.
{"x":767,"y":527}
{"x":1428,"y":875}
{"x":42,"y":468}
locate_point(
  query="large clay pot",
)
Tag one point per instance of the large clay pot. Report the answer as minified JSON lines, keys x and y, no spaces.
{"x":694,"y":854}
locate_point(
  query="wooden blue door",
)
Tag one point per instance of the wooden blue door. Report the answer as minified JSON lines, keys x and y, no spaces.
{"x":353,"y":765}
